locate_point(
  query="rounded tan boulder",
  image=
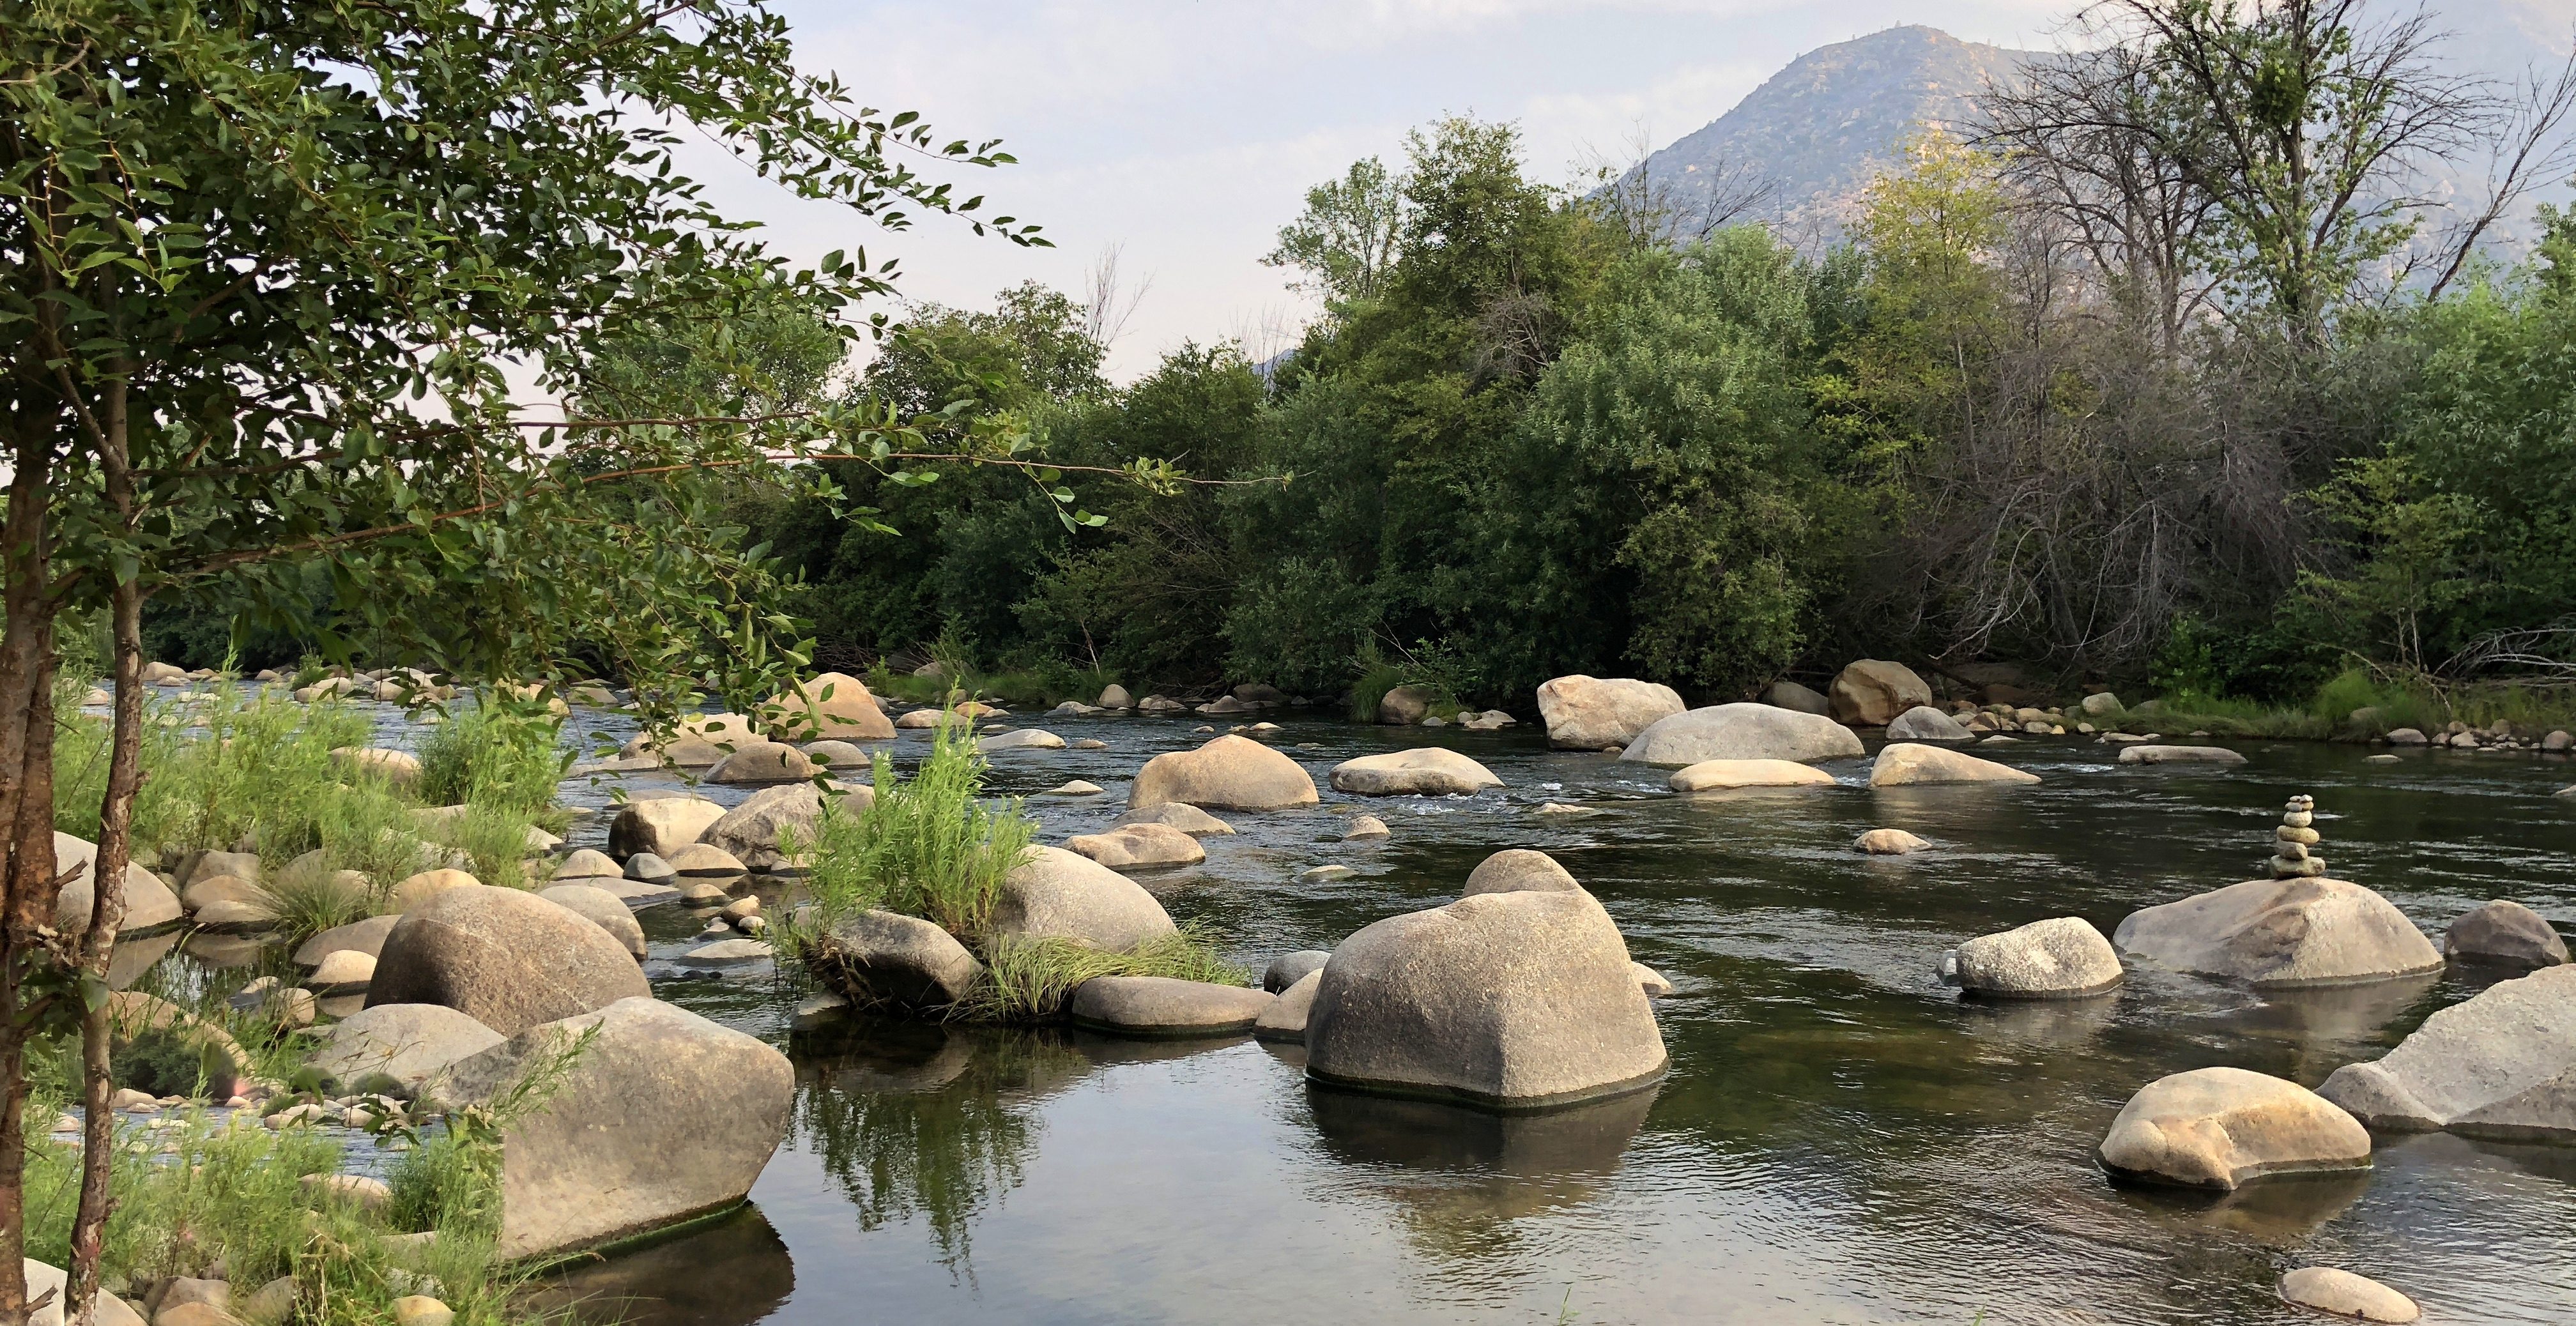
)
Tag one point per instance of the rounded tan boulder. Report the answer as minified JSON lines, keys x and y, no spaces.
{"x":1588,"y":713}
{"x":2219,"y":1127}
{"x":1909,"y":764}
{"x":2347,"y":1295}
{"x":1430,"y":771}
{"x":417,"y":889}
{"x":1229,"y":773}
{"x":604,"y":909}
{"x":755,"y":832}
{"x":406,"y":1042}
{"x":695,"y":741}
{"x":1516,"y":869}
{"x":660,"y":825}
{"x":1725,"y":775}
{"x":1741,"y":732}
{"x":1873,"y":691}
{"x":507,"y":959}
{"x":1139,"y":846}
{"x":1056,"y":894}
{"x":2281,"y":934}
{"x":834,"y":705}
{"x":398,"y":767}
{"x":762,"y":762}
{"x":149,"y":903}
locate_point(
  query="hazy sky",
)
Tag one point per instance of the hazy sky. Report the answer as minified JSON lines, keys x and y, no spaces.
{"x":1187,"y":131}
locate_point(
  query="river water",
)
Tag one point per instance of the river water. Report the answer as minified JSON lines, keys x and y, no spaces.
{"x":1841,"y":1139}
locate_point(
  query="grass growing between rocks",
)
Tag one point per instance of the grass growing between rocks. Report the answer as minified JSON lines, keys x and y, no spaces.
{"x":492,"y":754}
{"x":1030,"y":980}
{"x":2358,"y":705}
{"x":933,"y":847}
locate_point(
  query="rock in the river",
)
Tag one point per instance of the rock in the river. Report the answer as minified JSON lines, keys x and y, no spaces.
{"x":2501,"y":1063}
{"x":2179,"y":755}
{"x":1514,"y":1000}
{"x":834,"y":705}
{"x":1073,"y":788}
{"x":1872,"y":692}
{"x":149,"y":903}
{"x":2504,"y":934}
{"x":1651,"y":981}
{"x":507,"y":959}
{"x":1430,"y":771}
{"x":762,"y":762}
{"x":696,"y":741}
{"x":1588,"y":713}
{"x":1908,"y":764}
{"x":406,"y":1042}
{"x":1741,"y":732}
{"x":1888,"y":842}
{"x":1366,"y":826}
{"x":1161,"y":1006}
{"x":342,"y":972}
{"x":1115,"y":696}
{"x":1187,"y":818}
{"x":1726,"y":775}
{"x":1285,"y":1018}
{"x":647,"y":868}
{"x":604,"y":909}
{"x":1518,"y":868}
{"x":2406,"y":736}
{"x":1228,"y":773}
{"x":2060,"y":958}
{"x":1056,"y":894}
{"x":2281,"y":934}
{"x":587,"y":863}
{"x":40,"y":1277}
{"x":2101,"y":703}
{"x":1289,"y":968}
{"x":660,"y":825}
{"x":707,"y":863}
{"x":663,"y":1116}
{"x":752,"y":832}
{"x":398,"y":767}
{"x":1027,"y":738}
{"x":414,"y":890}
{"x":367,"y":936}
{"x":1788,"y":694}
{"x":1139,"y":846}
{"x":2347,"y":1295}
{"x":1406,"y":704}
{"x":725,"y":953}
{"x":901,"y":960}
{"x":922,"y":719}
{"x":2219,"y":1127}
{"x":1925,"y":723}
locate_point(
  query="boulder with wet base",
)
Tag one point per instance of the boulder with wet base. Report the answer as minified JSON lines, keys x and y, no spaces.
{"x":1056,"y":894}
{"x":2281,"y":934}
{"x":1741,"y":732}
{"x":2220,"y":1127}
{"x":1228,"y":773}
{"x":2499,"y":1064}
{"x":1588,"y":713}
{"x":1430,"y":771}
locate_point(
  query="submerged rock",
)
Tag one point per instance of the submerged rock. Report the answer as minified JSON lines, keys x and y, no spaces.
{"x":1228,"y":773}
{"x":1908,"y":764}
{"x":1161,"y":1006}
{"x":1366,"y":826}
{"x":1588,"y":713}
{"x":2150,"y":754}
{"x":2501,"y":1063}
{"x":1139,"y":846}
{"x":1516,"y":869}
{"x":2347,"y":1295}
{"x":507,"y":959}
{"x":1428,"y":771}
{"x":1741,"y":732}
{"x":1925,"y":723}
{"x":1872,"y":692}
{"x":2060,"y":958}
{"x":1056,"y":894}
{"x":2280,"y":934}
{"x":1725,"y":775}
{"x":2504,"y":934}
{"x":2220,"y":1127}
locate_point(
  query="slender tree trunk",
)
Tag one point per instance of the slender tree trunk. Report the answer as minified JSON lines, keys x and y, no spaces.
{"x":27,"y":882}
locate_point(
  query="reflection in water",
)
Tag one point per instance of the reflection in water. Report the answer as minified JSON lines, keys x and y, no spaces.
{"x":2277,"y":1210}
{"x":667,"y":1283}
{"x":2057,"y":1023}
{"x":2327,"y":1028}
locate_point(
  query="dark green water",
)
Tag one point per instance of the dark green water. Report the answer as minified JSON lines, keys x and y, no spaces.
{"x":1841,"y":1140}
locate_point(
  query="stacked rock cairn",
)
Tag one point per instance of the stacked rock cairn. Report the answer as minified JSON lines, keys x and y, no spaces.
{"x":2294,"y":844}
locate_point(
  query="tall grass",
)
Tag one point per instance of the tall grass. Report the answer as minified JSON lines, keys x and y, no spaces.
{"x":494,"y":755}
{"x":932,"y":847}
{"x":261,"y":767}
{"x":2384,"y":704}
{"x":1030,"y":980}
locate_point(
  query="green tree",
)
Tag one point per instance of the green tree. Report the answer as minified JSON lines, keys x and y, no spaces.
{"x":1347,"y":239}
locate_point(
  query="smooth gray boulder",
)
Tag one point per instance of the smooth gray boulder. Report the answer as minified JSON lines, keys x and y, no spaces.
{"x":1925,"y":723}
{"x":1289,"y":968}
{"x":1285,"y":1018}
{"x":149,"y":903}
{"x":1786,"y":694}
{"x":762,"y":762}
{"x":2281,"y":934}
{"x":406,"y":1042}
{"x":1912,"y":764}
{"x":884,"y":957}
{"x":1027,"y":738}
{"x":587,"y":863}
{"x":751,"y":832}
{"x":367,"y":936}
{"x":2344,"y":1294}
{"x":1228,"y":773}
{"x":2220,"y":1127}
{"x":1521,"y":1000}
{"x":2144,"y":754}
{"x":2063,"y":957}
{"x":2501,"y":1063}
{"x":1163,"y":1007}
{"x":649,"y":868}
{"x":507,"y":959}
{"x":660,"y":825}
{"x":1588,"y":713}
{"x":662,"y":1116}
{"x":725,"y":953}
{"x":1180,"y":815}
{"x":1518,"y":868}
{"x":1741,"y":732}
{"x":706,"y":863}
{"x":1056,"y":894}
{"x":2504,"y":934}
{"x":1139,"y":847}
{"x":1428,"y":771}
{"x":606,"y":910}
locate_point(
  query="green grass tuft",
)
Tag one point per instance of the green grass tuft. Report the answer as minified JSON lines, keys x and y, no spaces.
{"x":932,"y":847}
{"x":1030,"y":980}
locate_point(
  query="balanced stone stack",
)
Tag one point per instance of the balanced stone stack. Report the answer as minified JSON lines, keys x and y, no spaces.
{"x":2294,"y":843}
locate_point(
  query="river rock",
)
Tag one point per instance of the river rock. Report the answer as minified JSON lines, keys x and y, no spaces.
{"x":1115,"y":696}
{"x":406,"y":1042}
{"x":1162,"y":1006}
{"x":606,"y":910}
{"x":725,"y":953}
{"x":342,"y":972}
{"x":1925,"y":723}
{"x":664,"y":1116}
{"x":1027,"y":738}
{"x":367,"y":936}
{"x":840,"y":757}
{"x":1406,"y":705}
{"x":2281,"y":934}
{"x":232,"y":889}
{"x":2504,"y":934}
{"x":2347,"y":1295}
{"x":1180,"y":815}
{"x":752,"y":832}
{"x":107,"y":1309}
{"x":1285,"y":1018}
{"x":2060,"y":958}
{"x":149,"y":903}
{"x":1056,"y":894}
{"x":1651,"y":981}
{"x":901,"y":960}
{"x":1289,"y":968}
{"x":706,"y":863}
{"x":1726,"y":775}
{"x":1741,"y":732}
{"x":2145,"y":754}
{"x":586,"y":863}
{"x":240,"y":865}
{"x":921,"y":719}
{"x":398,"y":767}
{"x":1430,"y":771}
{"x":414,"y":890}
{"x":2501,"y":1063}
{"x":1908,"y":764}
{"x":1228,"y":773}
{"x":1788,"y":694}
{"x":1366,"y":826}
{"x":1588,"y":713}
{"x":694,"y":742}
{"x":660,"y":825}
{"x":1888,"y":842}
{"x":1515,"y":1000}
{"x":1872,"y":692}
{"x":2219,"y":1127}
{"x":2406,"y":736}
{"x":762,"y":762}
{"x":1518,"y":868}
{"x":507,"y":959}
{"x":1139,"y":846}
{"x":834,"y":705}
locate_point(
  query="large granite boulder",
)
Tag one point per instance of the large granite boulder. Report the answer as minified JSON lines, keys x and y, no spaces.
{"x":406,"y":1042}
{"x":1406,"y":705}
{"x":661,"y":1116}
{"x":1229,"y":773}
{"x":2148,"y":754}
{"x":1788,"y":694}
{"x":2501,"y":1063}
{"x":1741,"y":732}
{"x":1872,"y":692}
{"x":1289,"y":968}
{"x":1515,"y":869}
{"x":694,"y":742}
{"x":762,"y":762}
{"x":1056,"y":894}
{"x":1430,"y":771}
{"x":1520,"y":1000}
{"x":41,"y":1278}
{"x":2504,"y":934}
{"x":1925,"y":723}
{"x":835,"y":706}
{"x":1588,"y":713}
{"x":2219,"y":1127}
{"x":751,"y":832}
{"x":1910,"y":764}
{"x":2063,"y":957}
{"x":2281,"y":934}
{"x":149,"y":903}
{"x":1026,"y":738}
{"x":1139,"y":847}
{"x":660,"y":825}
{"x":1165,"y":1008}
{"x":507,"y":959}
{"x":367,"y":936}
{"x":889,"y":958}
{"x":1727,"y":775}
{"x":606,"y":910}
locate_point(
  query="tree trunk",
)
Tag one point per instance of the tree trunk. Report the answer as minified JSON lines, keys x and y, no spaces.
{"x":27,"y":876}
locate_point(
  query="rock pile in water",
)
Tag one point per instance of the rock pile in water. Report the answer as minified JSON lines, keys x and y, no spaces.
{"x":2294,"y":843}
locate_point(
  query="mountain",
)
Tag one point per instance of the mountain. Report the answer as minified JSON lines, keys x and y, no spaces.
{"x":1822,"y":127}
